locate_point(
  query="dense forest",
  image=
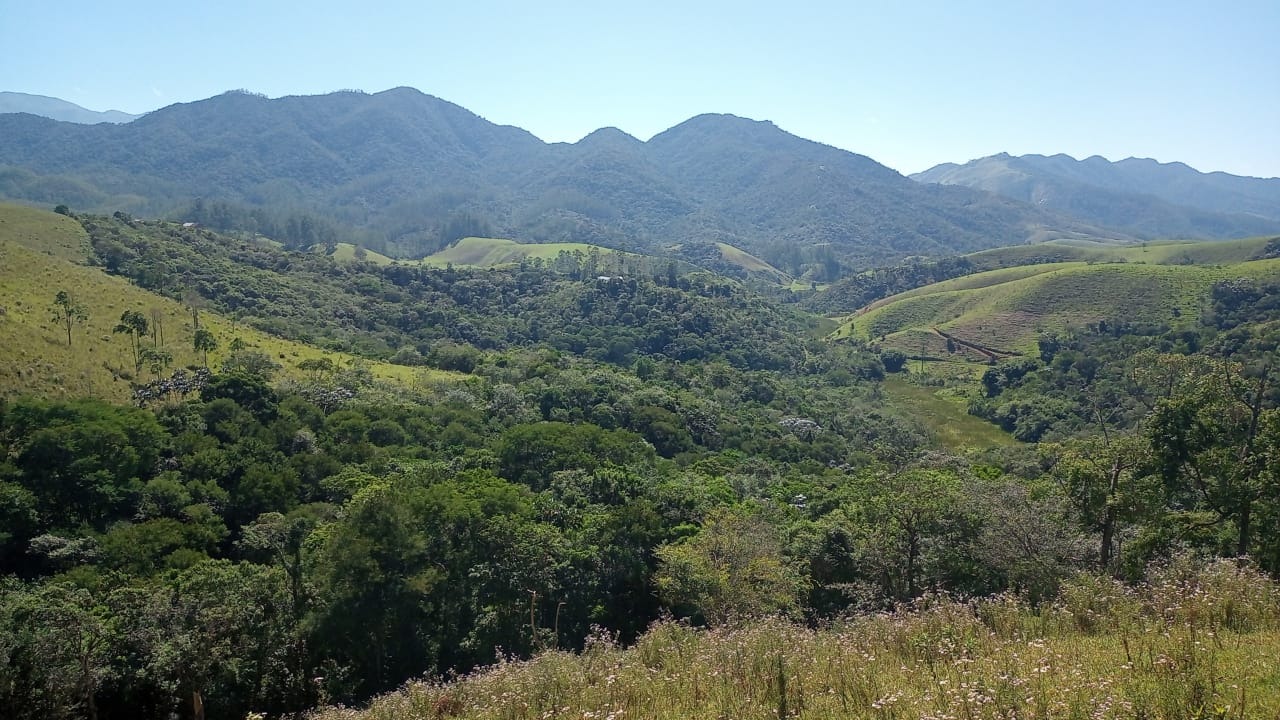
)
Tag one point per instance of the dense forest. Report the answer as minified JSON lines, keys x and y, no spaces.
{"x":624,"y":444}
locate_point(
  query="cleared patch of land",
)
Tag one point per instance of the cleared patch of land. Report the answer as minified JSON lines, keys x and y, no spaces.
{"x":346,"y":252}
{"x":494,"y":252}
{"x":946,"y":415}
{"x":751,"y":263}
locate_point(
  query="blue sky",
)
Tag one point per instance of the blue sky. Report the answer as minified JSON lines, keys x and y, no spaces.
{"x":910,"y":84}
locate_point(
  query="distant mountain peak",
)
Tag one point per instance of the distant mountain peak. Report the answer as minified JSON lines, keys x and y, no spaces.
{"x":407,"y":169}
{"x":58,"y":109}
{"x":609,"y":135}
{"x":1144,"y":196}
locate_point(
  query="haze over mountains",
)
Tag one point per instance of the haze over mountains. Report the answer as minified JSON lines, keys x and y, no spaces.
{"x":1144,"y":197}
{"x":50,"y":107}
{"x":400,"y":169}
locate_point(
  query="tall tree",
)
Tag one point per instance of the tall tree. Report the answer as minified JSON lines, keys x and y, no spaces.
{"x":68,"y":312}
{"x":157,"y":327}
{"x":1215,"y":436}
{"x":195,"y":302}
{"x":134,"y":324}
{"x":203,"y":341}
{"x":1107,"y":480}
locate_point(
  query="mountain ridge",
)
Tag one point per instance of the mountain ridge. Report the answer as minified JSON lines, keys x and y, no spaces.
{"x":59,"y":109}
{"x":1146,"y":197}
{"x":403,"y":165}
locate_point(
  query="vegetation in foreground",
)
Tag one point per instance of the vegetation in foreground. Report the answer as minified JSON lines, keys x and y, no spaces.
{"x":1195,"y":641}
{"x":618,"y":451}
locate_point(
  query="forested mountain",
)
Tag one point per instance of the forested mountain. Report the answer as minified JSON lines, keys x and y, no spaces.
{"x":1143,"y":197}
{"x":50,"y":107}
{"x":402,"y":167}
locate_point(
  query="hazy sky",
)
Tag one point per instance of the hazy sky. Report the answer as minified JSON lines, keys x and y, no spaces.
{"x":910,"y":84}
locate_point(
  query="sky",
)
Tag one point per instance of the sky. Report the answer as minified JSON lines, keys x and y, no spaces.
{"x":910,"y":84}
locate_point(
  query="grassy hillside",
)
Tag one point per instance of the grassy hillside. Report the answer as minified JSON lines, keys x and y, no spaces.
{"x":49,"y":233}
{"x":350,"y":253}
{"x":494,"y":252}
{"x":1156,"y":253}
{"x":1166,"y":651}
{"x":39,"y":255}
{"x":1004,"y":310}
{"x":752,"y":264}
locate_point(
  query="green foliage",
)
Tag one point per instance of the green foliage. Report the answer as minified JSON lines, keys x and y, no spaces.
{"x":732,"y":569}
{"x":894,"y":360}
{"x":134,"y":324}
{"x":446,"y":314}
{"x":83,"y":461}
{"x":203,"y":341}
{"x":303,"y":533}
{"x":530,"y":454}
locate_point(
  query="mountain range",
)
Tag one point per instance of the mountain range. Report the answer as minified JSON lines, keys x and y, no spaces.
{"x":50,"y":107}
{"x":403,"y":164}
{"x":400,"y":170}
{"x":1143,"y":197}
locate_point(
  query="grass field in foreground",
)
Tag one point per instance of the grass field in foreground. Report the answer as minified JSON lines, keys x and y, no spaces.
{"x":1205,"y":646}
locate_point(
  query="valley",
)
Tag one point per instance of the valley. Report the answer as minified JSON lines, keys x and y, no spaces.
{"x":361,"y":406}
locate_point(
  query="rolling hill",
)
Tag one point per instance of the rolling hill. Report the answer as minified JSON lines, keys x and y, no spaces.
{"x":997,"y":313}
{"x":856,"y":292}
{"x":496,"y":252}
{"x":403,"y":167}
{"x":1143,"y":197}
{"x":42,"y":253}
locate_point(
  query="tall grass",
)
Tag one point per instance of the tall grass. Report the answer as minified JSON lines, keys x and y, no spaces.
{"x":1196,"y":641}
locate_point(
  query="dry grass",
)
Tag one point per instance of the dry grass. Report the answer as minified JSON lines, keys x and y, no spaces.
{"x":1198,"y":642}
